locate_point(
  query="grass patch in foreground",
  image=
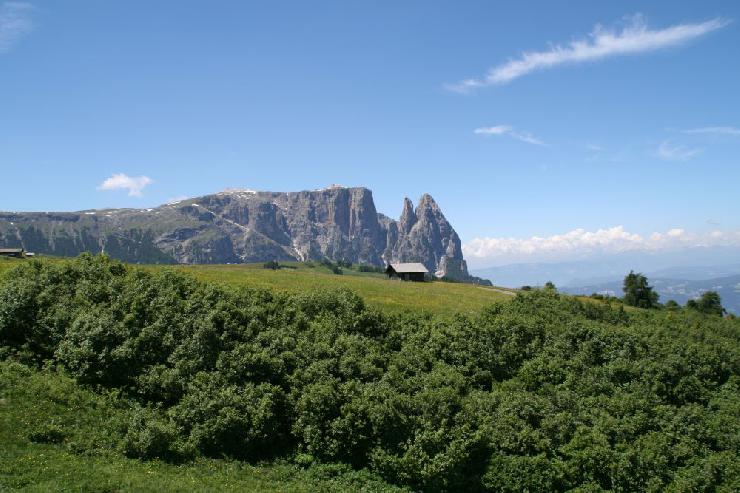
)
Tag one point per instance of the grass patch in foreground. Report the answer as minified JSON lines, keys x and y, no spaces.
{"x":57,"y":436}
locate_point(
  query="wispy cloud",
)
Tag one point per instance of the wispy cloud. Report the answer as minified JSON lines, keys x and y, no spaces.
{"x":715,"y":131}
{"x":634,"y":38}
{"x":511,"y":132}
{"x":674,"y":152}
{"x":15,"y":22}
{"x":121,"y":181}
{"x":608,"y":240}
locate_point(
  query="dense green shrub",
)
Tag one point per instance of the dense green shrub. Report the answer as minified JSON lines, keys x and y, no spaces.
{"x":542,"y":393}
{"x":708,"y":303}
{"x":149,"y":436}
{"x":47,"y":433}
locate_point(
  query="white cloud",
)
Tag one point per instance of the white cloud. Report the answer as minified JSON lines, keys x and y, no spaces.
{"x":636,"y":37}
{"x":673,"y":152}
{"x":15,"y":22}
{"x":603,"y":241}
{"x":511,"y":132}
{"x":715,"y":130}
{"x":121,"y":181}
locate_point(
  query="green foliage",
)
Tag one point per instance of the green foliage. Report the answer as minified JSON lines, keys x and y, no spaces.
{"x":47,"y":433}
{"x":542,"y":393}
{"x":637,"y":291}
{"x":271,"y":264}
{"x":672,"y":305}
{"x":447,"y":279}
{"x":85,"y":457}
{"x":148,"y":436}
{"x":301,"y":277}
{"x":709,"y":303}
{"x":336,"y":268}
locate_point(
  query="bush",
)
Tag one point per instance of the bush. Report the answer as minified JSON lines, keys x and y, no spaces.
{"x":541,"y":393}
{"x":708,"y":303}
{"x":237,"y":420}
{"x":47,"y":433}
{"x":672,"y":305}
{"x":150,"y":436}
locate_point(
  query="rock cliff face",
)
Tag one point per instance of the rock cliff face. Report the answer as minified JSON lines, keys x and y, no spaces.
{"x":239,"y":226}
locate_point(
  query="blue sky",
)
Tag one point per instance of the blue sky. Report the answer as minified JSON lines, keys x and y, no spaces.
{"x":564,"y":131}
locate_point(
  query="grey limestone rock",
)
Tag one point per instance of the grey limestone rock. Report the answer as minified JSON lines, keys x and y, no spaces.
{"x":238,"y":226}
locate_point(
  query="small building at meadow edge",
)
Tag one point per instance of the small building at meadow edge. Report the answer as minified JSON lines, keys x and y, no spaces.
{"x":407,"y":272}
{"x":11,"y":252}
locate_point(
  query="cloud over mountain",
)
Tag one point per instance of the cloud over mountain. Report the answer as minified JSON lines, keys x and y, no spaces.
{"x":580,"y":242}
{"x":121,"y":181}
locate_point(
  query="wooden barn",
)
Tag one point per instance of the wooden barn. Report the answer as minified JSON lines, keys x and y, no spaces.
{"x":11,"y":252}
{"x":407,"y":272}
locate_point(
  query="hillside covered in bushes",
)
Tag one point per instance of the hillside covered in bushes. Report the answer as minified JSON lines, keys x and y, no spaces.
{"x":540,"y":393}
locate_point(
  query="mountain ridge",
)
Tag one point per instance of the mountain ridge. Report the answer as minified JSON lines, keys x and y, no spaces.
{"x":679,"y":290}
{"x":244,"y":225}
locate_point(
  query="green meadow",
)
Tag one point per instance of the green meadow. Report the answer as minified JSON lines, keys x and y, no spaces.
{"x":431,"y":297}
{"x":436,"y":298}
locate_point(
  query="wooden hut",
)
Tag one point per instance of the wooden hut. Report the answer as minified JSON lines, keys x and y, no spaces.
{"x":11,"y":252}
{"x":407,"y":272}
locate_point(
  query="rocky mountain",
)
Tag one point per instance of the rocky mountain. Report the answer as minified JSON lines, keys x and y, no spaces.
{"x":240,"y":226}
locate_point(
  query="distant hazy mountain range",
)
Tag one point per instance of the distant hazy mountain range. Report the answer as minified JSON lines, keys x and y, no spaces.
{"x":690,"y":263}
{"x":237,"y":226}
{"x":680,"y":290}
{"x":679,"y":275}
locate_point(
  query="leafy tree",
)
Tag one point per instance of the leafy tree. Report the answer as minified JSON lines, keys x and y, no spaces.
{"x":271,"y":264}
{"x":550,"y":285}
{"x":637,"y":291}
{"x":672,"y":305}
{"x":709,"y":303}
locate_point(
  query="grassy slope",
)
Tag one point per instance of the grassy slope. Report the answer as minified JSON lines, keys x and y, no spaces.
{"x":433,"y":297}
{"x":376,"y":289}
{"x":7,"y":263}
{"x":86,"y":460}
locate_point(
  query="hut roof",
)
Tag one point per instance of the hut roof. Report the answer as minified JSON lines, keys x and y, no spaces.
{"x":409,"y":267}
